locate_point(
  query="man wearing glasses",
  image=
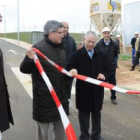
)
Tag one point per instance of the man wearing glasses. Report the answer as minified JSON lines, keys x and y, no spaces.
{"x":45,"y":112}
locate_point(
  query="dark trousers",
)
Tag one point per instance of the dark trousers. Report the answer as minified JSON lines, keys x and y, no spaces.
{"x":112,"y":80}
{"x":69,"y":86}
{"x":136,"y":60}
{"x":84,"y":121}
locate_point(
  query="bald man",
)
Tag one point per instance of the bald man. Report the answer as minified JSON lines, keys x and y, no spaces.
{"x":70,"y":47}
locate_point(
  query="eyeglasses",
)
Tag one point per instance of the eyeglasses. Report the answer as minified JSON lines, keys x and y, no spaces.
{"x":58,"y":32}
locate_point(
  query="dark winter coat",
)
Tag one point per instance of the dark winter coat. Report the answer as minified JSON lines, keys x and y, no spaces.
{"x":133,"y":41}
{"x":89,"y":97}
{"x":44,"y":107}
{"x":70,"y":47}
{"x":5,"y":109}
{"x":110,"y":53}
{"x":117,"y":42}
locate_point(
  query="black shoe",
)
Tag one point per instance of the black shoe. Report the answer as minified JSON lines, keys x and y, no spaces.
{"x":132,"y":69}
{"x":114,"y":101}
{"x":99,"y":139}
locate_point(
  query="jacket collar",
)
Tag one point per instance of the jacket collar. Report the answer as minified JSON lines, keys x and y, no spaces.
{"x":84,"y":51}
{"x":50,"y":42}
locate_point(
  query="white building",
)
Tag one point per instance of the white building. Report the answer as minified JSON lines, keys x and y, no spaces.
{"x":131,"y":21}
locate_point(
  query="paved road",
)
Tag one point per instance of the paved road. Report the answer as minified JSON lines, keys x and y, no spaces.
{"x":119,"y":122}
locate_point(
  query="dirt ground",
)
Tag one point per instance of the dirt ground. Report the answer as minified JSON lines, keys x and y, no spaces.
{"x":125,"y":76}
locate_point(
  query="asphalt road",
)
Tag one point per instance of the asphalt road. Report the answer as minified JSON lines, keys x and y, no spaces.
{"x":119,"y":122}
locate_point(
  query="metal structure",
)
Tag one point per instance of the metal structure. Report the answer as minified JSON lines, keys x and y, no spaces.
{"x":105,"y":13}
{"x":131,"y":21}
{"x":0,"y":18}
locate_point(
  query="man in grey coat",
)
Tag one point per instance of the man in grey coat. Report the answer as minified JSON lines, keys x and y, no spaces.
{"x":45,"y":111}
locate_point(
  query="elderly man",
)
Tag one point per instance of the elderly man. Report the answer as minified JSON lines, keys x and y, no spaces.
{"x":45,"y":112}
{"x":89,"y":98}
{"x":108,"y":48}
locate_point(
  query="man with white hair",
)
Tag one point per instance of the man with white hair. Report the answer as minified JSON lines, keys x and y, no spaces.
{"x":89,"y":97}
{"x":108,"y":48}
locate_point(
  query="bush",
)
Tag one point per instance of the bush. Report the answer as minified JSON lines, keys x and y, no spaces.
{"x":125,"y":56}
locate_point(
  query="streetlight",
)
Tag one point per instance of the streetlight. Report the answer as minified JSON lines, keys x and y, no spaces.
{"x":18,"y":20}
{"x":4,"y":21}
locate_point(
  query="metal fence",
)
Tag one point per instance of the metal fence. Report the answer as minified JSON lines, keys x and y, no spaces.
{"x":36,"y":36}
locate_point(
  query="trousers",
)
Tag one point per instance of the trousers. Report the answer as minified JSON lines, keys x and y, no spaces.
{"x":50,"y":131}
{"x":0,"y":135}
{"x":112,"y":80}
{"x":84,"y":120}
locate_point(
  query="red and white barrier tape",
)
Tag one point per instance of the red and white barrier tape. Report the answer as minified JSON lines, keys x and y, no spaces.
{"x":66,"y":123}
{"x":85,"y":78}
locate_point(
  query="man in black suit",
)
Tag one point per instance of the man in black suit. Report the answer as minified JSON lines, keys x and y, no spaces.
{"x":70,"y":47}
{"x":5,"y":110}
{"x":89,"y":97}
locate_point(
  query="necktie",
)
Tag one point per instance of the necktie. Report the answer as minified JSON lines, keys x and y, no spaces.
{"x":90,"y":52}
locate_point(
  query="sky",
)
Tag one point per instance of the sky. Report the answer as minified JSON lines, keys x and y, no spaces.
{"x":33,"y":14}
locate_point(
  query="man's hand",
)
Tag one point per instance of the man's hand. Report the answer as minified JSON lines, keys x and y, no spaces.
{"x":101,"y":77}
{"x":30,"y":53}
{"x":73,"y":72}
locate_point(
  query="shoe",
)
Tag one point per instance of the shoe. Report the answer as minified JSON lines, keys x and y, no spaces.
{"x":131,"y":69}
{"x":114,"y":101}
{"x":99,"y":139}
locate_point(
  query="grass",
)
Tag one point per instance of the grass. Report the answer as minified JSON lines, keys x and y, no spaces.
{"x":125,"y":56}
{"x":26,"y":36}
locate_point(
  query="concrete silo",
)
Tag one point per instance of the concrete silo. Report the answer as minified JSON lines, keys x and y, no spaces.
{"x":105,"y":13}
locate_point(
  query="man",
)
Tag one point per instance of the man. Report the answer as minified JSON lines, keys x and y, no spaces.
{"x":133,"y":41}
{"x":108,"y":48}
{"x":45,"y":112}
{"x":137,"y":54}
{"x":70,"y":47}
{"x":5,"y":109}
{"x":119,"y":44}
{"x":89,"y":97}
{"x":111,"y":35}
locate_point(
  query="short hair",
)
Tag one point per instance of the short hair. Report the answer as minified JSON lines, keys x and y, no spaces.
{"x":52,"y":25}
{"x":90,"y":33}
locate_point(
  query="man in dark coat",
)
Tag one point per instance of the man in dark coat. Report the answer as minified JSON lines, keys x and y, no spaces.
{"x":70,"y":46}
{"x":45,"y":111}
{"x":108,"y":48}
{"x":89,"y":97}
{"x":133,"y":41}
{"x":5,"y":109}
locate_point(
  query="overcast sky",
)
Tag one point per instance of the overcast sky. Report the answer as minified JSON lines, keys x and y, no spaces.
{"x":34,"y":14}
